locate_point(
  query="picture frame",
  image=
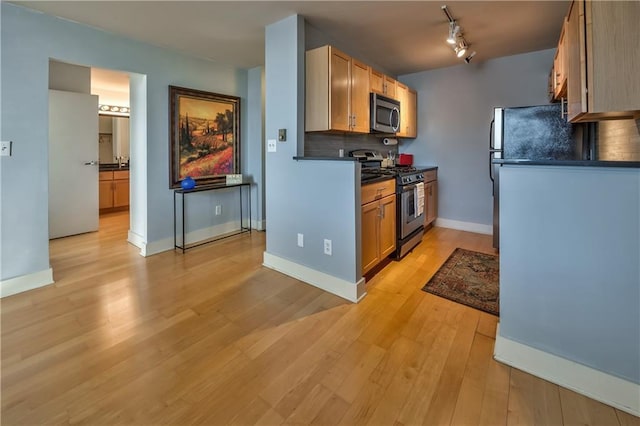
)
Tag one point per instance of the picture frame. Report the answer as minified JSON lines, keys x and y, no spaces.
{"x":204,"y":139}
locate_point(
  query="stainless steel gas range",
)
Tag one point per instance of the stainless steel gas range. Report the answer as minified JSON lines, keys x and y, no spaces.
{"x":410,"y":210}
{"x":409,"y":201}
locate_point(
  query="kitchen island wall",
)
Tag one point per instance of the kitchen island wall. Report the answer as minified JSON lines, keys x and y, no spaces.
{"x":570,"y":278}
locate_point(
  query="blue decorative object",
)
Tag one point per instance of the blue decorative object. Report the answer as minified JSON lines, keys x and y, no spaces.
{"x":188,"y":183}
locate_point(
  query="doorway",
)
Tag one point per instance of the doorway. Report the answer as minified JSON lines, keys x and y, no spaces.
{"x":118,"y":89}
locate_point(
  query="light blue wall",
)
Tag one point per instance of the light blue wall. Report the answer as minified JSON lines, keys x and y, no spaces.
{"x":315,"y":198}
{"x":570,"y":264}
{"x":29,"y":40}
{"x":455,"y":107}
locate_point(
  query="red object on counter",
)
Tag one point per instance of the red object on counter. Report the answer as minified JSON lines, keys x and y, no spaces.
{"x":405,"y":160}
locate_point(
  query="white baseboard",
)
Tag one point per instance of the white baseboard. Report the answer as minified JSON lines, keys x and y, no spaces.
{"x":135,"y":239}
{"x":26,"y":282}
{"x":258,"y":225}
{"x":166,"y":244}
{"x":464,"y":226}
{"x":353,"y":292}
{"x":595,"y":384}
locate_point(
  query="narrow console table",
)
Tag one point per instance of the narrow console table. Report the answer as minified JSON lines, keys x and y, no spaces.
{"x":244,"y":187}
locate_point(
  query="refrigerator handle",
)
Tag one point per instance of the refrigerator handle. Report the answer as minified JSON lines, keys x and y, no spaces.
{"x":491,"y":151}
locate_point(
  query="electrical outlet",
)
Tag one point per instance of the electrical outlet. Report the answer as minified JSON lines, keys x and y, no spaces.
{"x":300,"y":240}
{"x":271,"y":145}
{"x":218,"y":210}
{"x":327,"y":247}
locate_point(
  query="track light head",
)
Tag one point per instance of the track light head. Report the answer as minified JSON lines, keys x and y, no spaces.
{"x":454,"y":30}
{"x":468,"y":58}
{"x":461,"y":48}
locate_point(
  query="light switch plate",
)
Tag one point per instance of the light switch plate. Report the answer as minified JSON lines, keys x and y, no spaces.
{"x":5,"y":148}
{"x":271,"y":145}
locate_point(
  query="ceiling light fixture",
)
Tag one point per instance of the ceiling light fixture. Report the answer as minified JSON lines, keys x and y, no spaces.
{"x":455,"y":38}
{"x":470,"y":57}
{"x":461,"y":48}
{"x":113,"y":110}
{"x":454,"y":30}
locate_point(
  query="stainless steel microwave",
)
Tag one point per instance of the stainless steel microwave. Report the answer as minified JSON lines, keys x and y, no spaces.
{"x":385,"y":114}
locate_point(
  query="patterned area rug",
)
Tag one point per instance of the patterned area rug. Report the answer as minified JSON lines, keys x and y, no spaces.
{"x":470,"y":278}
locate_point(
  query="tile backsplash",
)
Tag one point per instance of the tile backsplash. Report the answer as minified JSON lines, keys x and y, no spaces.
{"x":329,"y":144}
{"x":618,"y":140}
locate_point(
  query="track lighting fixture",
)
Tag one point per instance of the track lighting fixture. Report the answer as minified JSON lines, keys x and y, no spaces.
{"x":468,"y":58}
{"x":455,"y":38}
{"x":461,"y":48}
{"x":454,"y":30}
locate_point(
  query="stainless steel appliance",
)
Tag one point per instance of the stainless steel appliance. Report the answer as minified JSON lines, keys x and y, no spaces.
{"x":385,"y":114}
{"x":410,"y":210}
{"x":409,"y":198}
{"x":531,"y":133}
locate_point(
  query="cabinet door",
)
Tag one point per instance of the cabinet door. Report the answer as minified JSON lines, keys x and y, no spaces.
{"x":390,"y":87}
{"x":370,"y":235}
{"x":376,"y":81}
{"x":387,"y":226}
{"x":340,"y":76}
{"x":360,"y":97}
{"x":105,"y":194}
{"x":613,"y":56}
{"x":121,"y":193}
{"x":401,"y":95}
{"x":411,"y":123}
{"x":576,"y":99}
{"x":430,"y":202}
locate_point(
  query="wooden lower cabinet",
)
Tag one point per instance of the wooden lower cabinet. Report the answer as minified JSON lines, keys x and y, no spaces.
{"x":113,"y":189}
{"x":430,"y":196}
{"x":378,"y":224}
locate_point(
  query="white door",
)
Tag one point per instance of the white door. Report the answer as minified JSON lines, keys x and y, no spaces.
{"x":73,"y":163}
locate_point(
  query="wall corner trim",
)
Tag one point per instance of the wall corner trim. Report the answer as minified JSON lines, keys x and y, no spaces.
{"x":26,"y":282}
{"x":353,"y":292}
{"x":611,"y":390}
{"x":478,"y":228}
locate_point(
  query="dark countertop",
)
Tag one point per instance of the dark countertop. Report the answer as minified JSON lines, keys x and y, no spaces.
{"x":326,"y":158}
{"x":577,"y":163}
{"x":426,"y":168}
{"x":377,"y":179}
{"x":109,"y":167}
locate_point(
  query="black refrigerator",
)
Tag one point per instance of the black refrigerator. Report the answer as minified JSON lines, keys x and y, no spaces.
{"x":531,"y":133}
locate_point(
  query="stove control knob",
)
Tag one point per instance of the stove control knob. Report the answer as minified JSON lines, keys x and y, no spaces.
{"x":420,"y":176}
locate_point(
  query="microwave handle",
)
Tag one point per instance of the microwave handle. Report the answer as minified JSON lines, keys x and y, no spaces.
{"x":396,"y":112}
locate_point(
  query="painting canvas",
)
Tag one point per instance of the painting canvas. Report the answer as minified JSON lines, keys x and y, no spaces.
{"x":205,"y":136}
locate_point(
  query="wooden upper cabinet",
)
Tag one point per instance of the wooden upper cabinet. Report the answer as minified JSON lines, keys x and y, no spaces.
{"x":603,"y":60}
{"x":408,"y":119}
{"x":559,"y":72}
{"x":360,"y":97}
{"x":337,"y":92}
{"x":382,"y":84}
{"x":339,"y":96}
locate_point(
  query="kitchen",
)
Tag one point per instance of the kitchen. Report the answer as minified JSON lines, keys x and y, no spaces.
{"x":326,"y":203}
{"x":471,"y":93}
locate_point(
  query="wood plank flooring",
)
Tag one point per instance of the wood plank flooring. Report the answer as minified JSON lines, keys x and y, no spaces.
{"x":212,"y":337}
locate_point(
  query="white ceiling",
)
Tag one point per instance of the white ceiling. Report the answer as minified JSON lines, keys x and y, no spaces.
{"x":399,"y":36}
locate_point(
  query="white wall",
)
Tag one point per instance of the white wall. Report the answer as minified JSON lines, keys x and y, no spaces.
{"x":455,"y":107}
{"x":29,"y":40}
{"x":570,"y":264}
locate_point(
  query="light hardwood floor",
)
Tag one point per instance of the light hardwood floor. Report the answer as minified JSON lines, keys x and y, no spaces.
{"x":212,"y":337}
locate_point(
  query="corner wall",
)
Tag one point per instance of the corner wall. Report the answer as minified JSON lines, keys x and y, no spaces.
{"x":315,"y":198}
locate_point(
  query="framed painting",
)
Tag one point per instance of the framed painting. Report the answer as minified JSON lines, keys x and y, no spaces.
{"x":205,"y":136}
